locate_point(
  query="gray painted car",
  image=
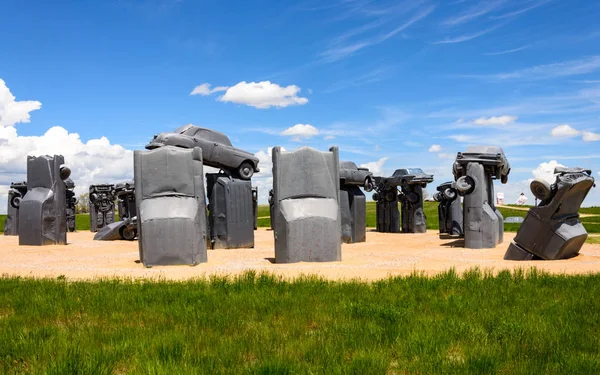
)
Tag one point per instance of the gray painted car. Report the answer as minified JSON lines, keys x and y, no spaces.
{"x":410,"y":176}
{"x":217,"y":150}
{"x":351,"y":174}
{"x":491,"y":157}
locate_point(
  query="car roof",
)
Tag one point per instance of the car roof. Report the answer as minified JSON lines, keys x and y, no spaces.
{"x":209,"y":134}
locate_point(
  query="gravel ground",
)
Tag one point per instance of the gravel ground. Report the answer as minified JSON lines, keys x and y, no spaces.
{"x":383,"y":255}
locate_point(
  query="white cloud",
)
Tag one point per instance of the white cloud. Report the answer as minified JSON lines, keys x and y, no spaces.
{"x":564,"y":131}
{"x":255,"y":94}
{"x":435,"y":148}
{"x":590,"y":137}
{"x":546,"y":171}
{"x":444,"y":155}
{"x":328,"y":137}
{"x":94,"y":161}
{"x":499,"y":120}
{"x":264,"y":179}
{"x":301,"y":131}
{"x":13,"y":112}
{"x":375,"y":166}
{"x":204,"y":89}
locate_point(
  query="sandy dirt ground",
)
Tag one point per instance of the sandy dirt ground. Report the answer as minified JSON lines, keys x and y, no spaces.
{"x":383,"y":255}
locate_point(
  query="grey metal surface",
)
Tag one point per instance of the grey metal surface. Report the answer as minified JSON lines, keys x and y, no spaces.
{"x":231,"y":213}
{"x":552,"y":230}
{"x":15,"y":194}
{"x":217,"y":150}
{"x":450,"y":210}
{"x":271,"y":206}
{"x":306,"y":195}
{"x":171,"y":206}
{"x":101,"y":205}
{"x":474,"y":171}
{"x":42,"y":212}
{"x":353,"y":207}
{"x":71,"y":201}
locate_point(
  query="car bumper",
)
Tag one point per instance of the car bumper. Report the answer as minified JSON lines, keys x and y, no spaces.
{"x":153,"y":145}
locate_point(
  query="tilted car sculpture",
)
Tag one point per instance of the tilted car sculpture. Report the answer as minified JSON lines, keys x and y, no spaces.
{"x":552,"y":230}
{"x":306,"y":209}
{"x":71,"y":202}
{"x":405,"y":177}
{"x":171,"y":206}
{"x":217,"y":150}
{"x":450,"y":211}
{"x":15,"y":195}
{"x":353,"y":204}
{"x":126,"y":227}
{"x":474,"y":172}
{"x":101,"y":201}
{"x":42,"y":211}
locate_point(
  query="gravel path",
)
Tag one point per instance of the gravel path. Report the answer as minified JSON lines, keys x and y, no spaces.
{"x":383,"y":254}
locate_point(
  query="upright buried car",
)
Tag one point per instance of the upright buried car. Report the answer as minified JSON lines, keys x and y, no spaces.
{"x":217,"y":150}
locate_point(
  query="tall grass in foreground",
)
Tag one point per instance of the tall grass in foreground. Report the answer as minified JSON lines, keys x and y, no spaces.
{"x":477,"y":324}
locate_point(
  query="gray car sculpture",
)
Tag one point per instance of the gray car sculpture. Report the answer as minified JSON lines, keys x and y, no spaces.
{"x":450,"y":212}
{"x":410,"y":176}
{"x":552,"y":230}
{"x":353,"y":204}
{"x":386,"y":207}
{"x":474,"y":171}
{"x":126,"y":227}
{"x":71,"y":202}
{"x":101,"y":206}
{"x":171,"y":206}
{"x":217,"y":150}
{"x":306,"y":191}
{"x":42,"y":211}
{"x":15,"y":195}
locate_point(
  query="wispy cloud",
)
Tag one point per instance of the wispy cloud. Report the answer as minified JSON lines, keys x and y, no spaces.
{"x":372,"y":76}
{"x":477,"y":10}
{"x":507,"y":51}
{"x":341,"y":46}
{"x":467,"y":37}
{"x":520,"y":11}
{"x":560,"y":69}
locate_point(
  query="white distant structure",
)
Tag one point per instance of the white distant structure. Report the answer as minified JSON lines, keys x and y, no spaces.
{"x":522,"y":199}
{"x":500,"y":198}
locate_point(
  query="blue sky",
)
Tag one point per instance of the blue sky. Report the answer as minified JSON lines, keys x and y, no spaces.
{"x":392,"y":83}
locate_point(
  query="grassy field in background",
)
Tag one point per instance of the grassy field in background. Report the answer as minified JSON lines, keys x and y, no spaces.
{"x":592,"y":224}
{"x":474,"y":324}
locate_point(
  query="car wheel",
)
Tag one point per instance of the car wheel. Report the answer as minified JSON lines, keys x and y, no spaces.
{"x":541,"y":189}
{"x":465,"y":184}
{"x":15,"y":201}
{"x":368,"y":185}
{"x":504,"y":178}
{"x":128,"y":234}
{"x":245,"y":171}
{"x":412,"y":197}
{"x":450,"y":194}
{"x":390,"y":196}
{"x":375,"y":197}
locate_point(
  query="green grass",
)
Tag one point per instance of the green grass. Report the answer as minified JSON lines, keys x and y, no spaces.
{"x":475,"y":324}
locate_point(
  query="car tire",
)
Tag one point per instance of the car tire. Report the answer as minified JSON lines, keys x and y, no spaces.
{"x":541,"y":189}
{"x":504,"y":178}
{"x":15,"y":201}
{"x":245,"y":171}
{"x":375,"y":197}
{"x":368,"y":185}
{"x":450,"y":194}
{"x":465,"y":185}
{"x":412,"y":197}
{"x":390,"y":196}
{"x":128,"y":234}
